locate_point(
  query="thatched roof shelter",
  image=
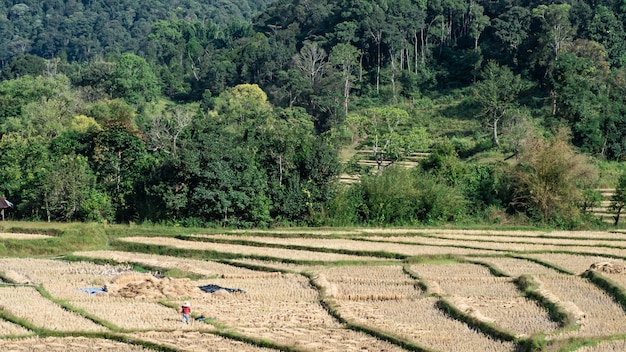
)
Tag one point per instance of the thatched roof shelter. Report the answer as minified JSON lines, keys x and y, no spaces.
{"x":4,"y":204}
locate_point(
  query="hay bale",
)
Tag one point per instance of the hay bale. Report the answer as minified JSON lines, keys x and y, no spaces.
{"x":146,"y":286}
{"x":608,"y":267}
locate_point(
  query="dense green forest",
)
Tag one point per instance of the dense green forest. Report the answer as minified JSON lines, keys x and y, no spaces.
{"x":245,"y":113}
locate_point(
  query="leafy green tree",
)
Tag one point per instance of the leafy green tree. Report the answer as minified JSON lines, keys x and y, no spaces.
{"x":220,"y":179}
{"x":119,"y":159}
{"x":23,"y":160}
{"x":496,"y":94}
{"x":64,"y":188}
{"x":579,"y":81}
{"x":133,"y":80}
{"x":23,"y":65}
{"x":512,"y":28}
{"x":606,"y":29}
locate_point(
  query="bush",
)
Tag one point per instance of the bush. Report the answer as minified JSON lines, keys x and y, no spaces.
{"x":397,"y":197}
{"x":550,"y":181}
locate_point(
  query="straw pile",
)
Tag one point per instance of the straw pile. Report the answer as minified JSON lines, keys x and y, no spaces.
{"x":146,"y":286}
{"x":608,"y":267}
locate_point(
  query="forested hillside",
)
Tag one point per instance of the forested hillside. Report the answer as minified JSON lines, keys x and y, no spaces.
{"x":244,"y":113}
{"x":78,"y":30}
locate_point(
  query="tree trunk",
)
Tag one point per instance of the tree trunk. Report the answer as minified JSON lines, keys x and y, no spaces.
{"x":495,"y":130}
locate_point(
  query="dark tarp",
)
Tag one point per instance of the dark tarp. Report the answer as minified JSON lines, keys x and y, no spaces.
{"x":212,"y":288}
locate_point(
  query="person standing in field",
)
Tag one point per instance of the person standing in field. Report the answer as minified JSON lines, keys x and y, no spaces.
{"x":186,"y":310}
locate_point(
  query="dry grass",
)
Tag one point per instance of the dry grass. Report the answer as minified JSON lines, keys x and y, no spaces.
{"x":450,"y":271}
{"x":506,"y":246}
{"x":597,"y":312}
{"x":575,"y":263}
{"x":322,"y":339}
{"x":291,"y":254}
{"x":21,"y":236}
{"x":284,"y":301}
{"x":355,"y":245}
{"x":42,"y":271}
{"x":197,"y":342}
{"x":515,"y":267}
{"x":420,"y":321}
{"x":499,"y":302}
{"x":590,"y":242}
{"x":27,"y":303}
{"x":450,"y":231}
{"x":132,"y":314}
{"x":285,"y":309}
{"x":203,"y":267}
{"x":67,"y":344}
{"x":10,"y":329}
{"x":368,"y":283}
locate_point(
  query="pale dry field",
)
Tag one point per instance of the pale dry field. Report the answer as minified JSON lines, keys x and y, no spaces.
{"x":601,"y":315}
{"x":27,"y":303}
{"x":310,"y":307}
{"x":67,"y":344}
{"x":554,"y":241}
{"x":355,"y":245}
{"x":201,"y":267}
{"x":421,"y":322}
{"x":10,"y":329}
{"x":618,"y":249}
{"x":250,"y":250}
{"x":575,"y":263}
{"x":515,"y":267}
{"x":22,"y":236}
{"x":197,"y":341}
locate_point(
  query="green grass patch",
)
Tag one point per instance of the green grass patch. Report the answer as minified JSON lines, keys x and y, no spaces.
{"x":435,"y":259}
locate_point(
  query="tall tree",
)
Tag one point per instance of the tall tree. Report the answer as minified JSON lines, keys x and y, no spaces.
{"x":496,"y":94}
{"x":132,"y":79}
{"x":344,"y":58}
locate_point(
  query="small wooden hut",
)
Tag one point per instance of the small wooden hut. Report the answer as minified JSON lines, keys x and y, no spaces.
{"x":4,"y":204}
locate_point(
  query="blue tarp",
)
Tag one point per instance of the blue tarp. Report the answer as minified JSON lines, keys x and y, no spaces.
{"x":212,"y":288}
{"x":92,"y":290}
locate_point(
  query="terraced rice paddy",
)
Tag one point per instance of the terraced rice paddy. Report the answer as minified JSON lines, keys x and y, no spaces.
{"x":360,"y":290}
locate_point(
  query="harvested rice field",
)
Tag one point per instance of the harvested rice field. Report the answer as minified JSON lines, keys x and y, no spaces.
{"x":22,"y":236}
{"x":67,"y":344}
{"x":307,"y":290}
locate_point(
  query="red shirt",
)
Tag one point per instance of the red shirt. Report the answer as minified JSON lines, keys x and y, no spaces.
{"x":186,"y":310}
